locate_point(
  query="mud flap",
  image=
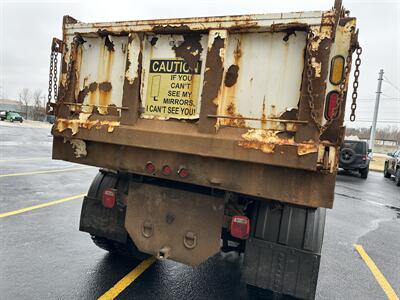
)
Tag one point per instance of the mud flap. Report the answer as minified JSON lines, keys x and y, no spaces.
{"x":101,"y":221}
{"x":283,"y":254}
{"x":175,"y":224}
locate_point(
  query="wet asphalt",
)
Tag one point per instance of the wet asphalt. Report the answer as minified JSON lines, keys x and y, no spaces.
{"x":44,"y":256}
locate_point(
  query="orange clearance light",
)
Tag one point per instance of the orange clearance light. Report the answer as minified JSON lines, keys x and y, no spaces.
{"x":183,"y":172}
{"x":337,"y":70}
{"x":150,"y":168}
{"x":108,"y":199}
{"x":240,"y":227}
{"x":166,"y":170}
{"x":331,"y":99}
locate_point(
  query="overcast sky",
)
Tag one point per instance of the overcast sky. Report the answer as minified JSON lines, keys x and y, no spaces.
{"x":27,"y":27}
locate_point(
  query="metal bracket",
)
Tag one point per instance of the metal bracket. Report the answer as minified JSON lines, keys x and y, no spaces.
{"x":57,"y":45}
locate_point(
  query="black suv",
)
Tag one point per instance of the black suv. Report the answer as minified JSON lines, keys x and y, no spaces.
{"x":392,"y":166}
{"x":354,"y":156}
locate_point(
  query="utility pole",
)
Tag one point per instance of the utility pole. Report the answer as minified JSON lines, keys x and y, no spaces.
{"x":378,"y":95}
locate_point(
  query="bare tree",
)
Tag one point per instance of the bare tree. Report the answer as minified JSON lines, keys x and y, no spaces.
{"x":38,"y":111}
{"x":24,"y":100}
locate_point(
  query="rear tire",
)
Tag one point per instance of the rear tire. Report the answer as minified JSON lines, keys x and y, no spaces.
{"x":364,"y":173}
{"x":127,"y":249}
{"x":386,"y":174}
{"x":397,"y":177}
{"x":106,"y":226}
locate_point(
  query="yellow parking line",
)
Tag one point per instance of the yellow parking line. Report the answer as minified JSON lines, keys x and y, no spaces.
{"x":19,"y":211}
{"x":385,"y":285}
{"x":43,"y":172}
{"x":128,"y":279}
{"x":23,"y":159}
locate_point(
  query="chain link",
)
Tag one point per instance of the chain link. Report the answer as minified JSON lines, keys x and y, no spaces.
{"x":55,"y":79}
{"x":49,"y":92}
{"x":342,"y":87}
{"x":355,"y":84}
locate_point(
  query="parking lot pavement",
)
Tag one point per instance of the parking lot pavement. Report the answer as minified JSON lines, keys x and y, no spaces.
{"x":44,"y":256}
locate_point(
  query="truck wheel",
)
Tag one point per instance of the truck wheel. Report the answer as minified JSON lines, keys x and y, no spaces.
{"x":127,"y":249}
{"x":283,"y":253}
{"x":364,"y":173}
{"x":397,"y":177}
{"x":107,"y":225}
{"x":386,"y":174}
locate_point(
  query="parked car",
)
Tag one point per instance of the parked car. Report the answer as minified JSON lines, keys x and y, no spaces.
{"x":3,"y":115}
{"x":392,"y":166}
{"x":354,"y":156}
{"x":12,"y":116}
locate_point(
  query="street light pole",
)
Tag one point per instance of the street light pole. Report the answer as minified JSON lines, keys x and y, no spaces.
{"x":378,"y":95}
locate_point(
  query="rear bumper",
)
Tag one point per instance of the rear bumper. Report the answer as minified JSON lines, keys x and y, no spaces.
{"x":354,"y":166}
{"x":289,"y":185}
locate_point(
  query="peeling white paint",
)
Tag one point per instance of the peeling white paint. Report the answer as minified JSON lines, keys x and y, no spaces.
{"x":133,"y":58}
{"x":316,"y":66}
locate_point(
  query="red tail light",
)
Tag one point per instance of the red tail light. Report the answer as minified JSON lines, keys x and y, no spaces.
{"x":150,"y":168}
{"x":167,"y":170}
{"x":183,"y":172}
{"x":331,"y":100}
{"x":108,"y":199}
{"x":240,"y":227}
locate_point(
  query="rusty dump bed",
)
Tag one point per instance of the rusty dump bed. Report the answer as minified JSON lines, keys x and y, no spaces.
{"x":238,"y":101}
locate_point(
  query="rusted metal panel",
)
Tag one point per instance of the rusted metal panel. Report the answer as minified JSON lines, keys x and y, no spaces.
{"x":101,"y":71}
{"x":246,"y":95}
{"x":258,"y":180}
{"x":184,"y":138}
{"x":262,"y":77}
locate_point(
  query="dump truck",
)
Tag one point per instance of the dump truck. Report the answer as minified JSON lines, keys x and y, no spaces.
{"x":212,"y":134}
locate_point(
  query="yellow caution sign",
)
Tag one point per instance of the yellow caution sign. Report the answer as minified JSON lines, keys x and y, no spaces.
{"x":172,"y":89}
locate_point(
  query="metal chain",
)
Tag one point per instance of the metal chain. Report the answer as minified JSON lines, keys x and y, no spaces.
{"x":342,"y":87}
{"x":355,"y":84}
{"x":50,"y":77}
{"x":55,"y":79}
{"x":56,"y":47}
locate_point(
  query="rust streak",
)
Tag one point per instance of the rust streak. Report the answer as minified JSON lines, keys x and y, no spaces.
{"x":212,"y":82}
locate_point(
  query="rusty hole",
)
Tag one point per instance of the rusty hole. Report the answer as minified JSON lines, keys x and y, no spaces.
{"x":231,"y":75}
{"x":93,"y":86}
{"x":109,"y":44}
{"x":288,"y":32}
{"x":153,"y":40}
{"x":290,"y":114}
{"x":105,"y":86}
{"x":190,"y":50}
